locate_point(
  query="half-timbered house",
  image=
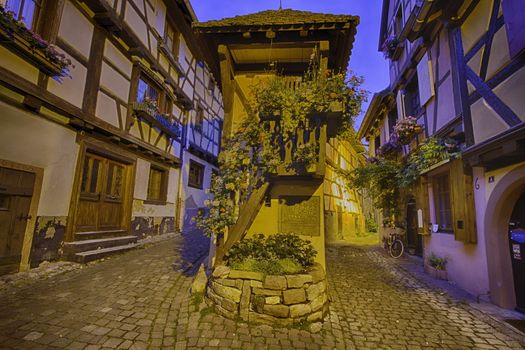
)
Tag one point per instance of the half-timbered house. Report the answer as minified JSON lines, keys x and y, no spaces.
{"x":109,"y":126}
{"x":251,"y":49}
{"x":459,"y":67}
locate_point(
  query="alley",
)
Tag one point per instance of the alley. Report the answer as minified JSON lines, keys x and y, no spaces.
{"x":138,"y":301}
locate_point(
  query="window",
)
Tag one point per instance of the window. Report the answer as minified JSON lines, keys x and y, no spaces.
{"x":114,"y":181}
{"x":171,"y":37}
{"x":377,"y":143}
{"x":24,"y":10}
{"x":392,"y":120}
{"x":412,"y":103}
{"x":146,"y":90}
{"x":157,"y":184}
{"x":442,"y":203}
{"x":91,"y":175}
{"x":199,"y":118}
{"x":196,"y":175}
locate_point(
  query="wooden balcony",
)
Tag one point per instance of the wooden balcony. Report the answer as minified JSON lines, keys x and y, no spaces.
{"x":20,"y":46}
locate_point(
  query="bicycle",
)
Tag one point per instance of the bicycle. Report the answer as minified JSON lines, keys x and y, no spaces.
{"x":394,"y":245}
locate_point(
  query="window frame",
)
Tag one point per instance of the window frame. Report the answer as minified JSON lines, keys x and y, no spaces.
{"x":199,"y":118}
{"x":36,"y":12}
{"x":164,"y":102}
{"x":411,"y":95}
{"x":439,"y":212}
{"x":199,"y":184}
{"x":163,"y":190}
{"x":174,"y":51}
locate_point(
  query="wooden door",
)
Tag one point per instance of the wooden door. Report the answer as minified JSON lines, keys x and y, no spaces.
{"x":16,"y":189}
{"x":100,"y":206}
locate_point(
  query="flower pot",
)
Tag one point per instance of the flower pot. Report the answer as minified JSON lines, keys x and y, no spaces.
{"x":439,"y":274}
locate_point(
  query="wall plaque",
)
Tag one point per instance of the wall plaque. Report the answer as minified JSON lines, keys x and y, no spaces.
{"x":300,"y":215}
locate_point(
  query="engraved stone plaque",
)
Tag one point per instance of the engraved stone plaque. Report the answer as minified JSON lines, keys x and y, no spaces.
{"x":300,"y":215}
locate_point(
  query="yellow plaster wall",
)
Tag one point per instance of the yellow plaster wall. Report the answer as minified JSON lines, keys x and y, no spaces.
{"x":18,"y":65}
{"x":267,"y":220}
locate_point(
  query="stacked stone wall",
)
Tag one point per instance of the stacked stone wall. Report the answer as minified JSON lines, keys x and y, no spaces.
{"x":255,"y":297}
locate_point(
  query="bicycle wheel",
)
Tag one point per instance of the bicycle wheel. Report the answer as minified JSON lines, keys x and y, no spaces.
{"x":396,"y":249}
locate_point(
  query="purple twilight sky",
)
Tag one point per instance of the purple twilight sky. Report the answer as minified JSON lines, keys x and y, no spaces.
{"x":365,"y":61}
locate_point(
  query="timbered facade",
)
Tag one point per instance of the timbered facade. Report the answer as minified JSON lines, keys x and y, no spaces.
{"x":458,"y":67}
{"x":97,"y":154}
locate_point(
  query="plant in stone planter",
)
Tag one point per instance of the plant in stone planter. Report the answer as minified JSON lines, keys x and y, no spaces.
{"x":275,"y":254}
{"x":436,"y":266}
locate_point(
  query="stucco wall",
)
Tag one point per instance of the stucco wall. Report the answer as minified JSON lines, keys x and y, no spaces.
{"x":29,"y":139}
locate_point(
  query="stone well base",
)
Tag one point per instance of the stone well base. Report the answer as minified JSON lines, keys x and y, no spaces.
{"x":282,"y":300}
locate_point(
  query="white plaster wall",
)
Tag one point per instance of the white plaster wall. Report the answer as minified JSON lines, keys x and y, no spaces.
{"x":29,"y":139}
{"x":141,"y":179}
{"x":118,"y":58}
{"x":467,"y":263}
{"x":71,"y":88}
{"x":114,"y":82}
{"x":107,"y":109}
{"x":75,"y":29}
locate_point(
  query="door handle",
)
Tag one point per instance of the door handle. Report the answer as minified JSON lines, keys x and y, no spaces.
{"x":22,"y":217}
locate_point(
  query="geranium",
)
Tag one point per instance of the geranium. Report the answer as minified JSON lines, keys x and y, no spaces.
{"x":390,"y":45}
{"x":12,"y":26}
{"x":406,"y":129}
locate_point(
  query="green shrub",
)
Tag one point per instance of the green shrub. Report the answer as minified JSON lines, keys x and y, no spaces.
{"x":280,"y":253}
{"x":371,"y":225}
{"x":290,"y":266}
{"x":437,"y":262}
{"x":268,"y":267}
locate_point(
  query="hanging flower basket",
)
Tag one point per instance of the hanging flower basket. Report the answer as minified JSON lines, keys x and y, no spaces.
{"x":406,"y":129}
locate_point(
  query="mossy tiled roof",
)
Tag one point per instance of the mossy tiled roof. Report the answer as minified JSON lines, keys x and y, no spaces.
{"x":282,"y":17}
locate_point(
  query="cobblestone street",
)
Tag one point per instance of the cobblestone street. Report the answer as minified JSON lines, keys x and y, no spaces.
{"x":138,"y":301}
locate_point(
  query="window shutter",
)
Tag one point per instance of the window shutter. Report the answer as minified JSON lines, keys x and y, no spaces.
{"x":462,"y":203}
{"x":514,"y":13}
{"x":425,"y":80}
{"x":422,"y":205}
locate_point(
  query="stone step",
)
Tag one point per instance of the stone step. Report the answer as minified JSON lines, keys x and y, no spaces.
{"x":91,"y":255}
{"x":80,"y":236}
{"x":93,"y":244}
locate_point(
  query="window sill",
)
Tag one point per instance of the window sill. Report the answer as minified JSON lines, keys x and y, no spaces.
{"x":195,"y":186}
{"x":155,"y":201}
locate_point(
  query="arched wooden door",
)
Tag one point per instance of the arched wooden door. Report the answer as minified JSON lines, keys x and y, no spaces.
{"x":517,"y":250}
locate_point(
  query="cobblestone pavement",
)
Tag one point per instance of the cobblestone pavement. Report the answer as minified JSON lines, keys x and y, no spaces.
{"x":138,"y":301}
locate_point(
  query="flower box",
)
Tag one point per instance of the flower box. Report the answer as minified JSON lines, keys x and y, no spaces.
{"x":151,"y":115}
{"x":19,"y":45}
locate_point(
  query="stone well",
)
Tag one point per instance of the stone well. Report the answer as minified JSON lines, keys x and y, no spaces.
{"x":254,"y":297}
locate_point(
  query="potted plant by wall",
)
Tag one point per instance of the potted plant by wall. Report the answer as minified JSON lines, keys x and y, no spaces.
{"x":436,"y":266}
